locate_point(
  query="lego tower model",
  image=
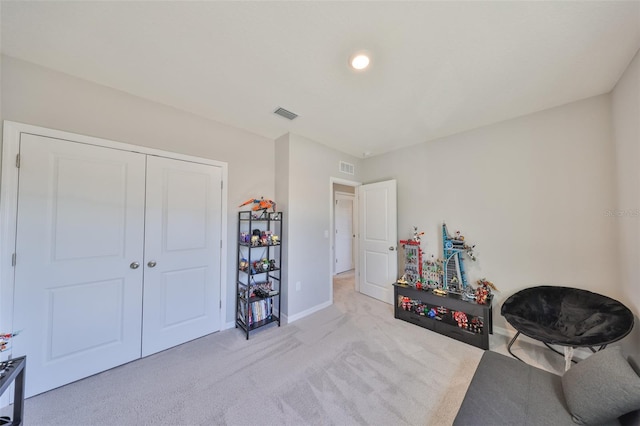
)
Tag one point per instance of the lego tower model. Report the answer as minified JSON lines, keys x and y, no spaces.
{"x":413,"y":259}
{"x":454,"y":277}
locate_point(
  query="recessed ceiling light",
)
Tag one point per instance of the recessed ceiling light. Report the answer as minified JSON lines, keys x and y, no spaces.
{"x":360,"y":61}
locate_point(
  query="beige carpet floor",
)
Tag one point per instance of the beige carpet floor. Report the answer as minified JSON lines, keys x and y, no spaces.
{"x":349,"y":364}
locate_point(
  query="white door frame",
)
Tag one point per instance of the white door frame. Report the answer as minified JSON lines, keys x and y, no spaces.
{"x":332,"y":181}
{"x":9,"y":203}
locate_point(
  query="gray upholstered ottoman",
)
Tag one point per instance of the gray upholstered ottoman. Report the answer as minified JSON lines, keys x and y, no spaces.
{"x":505,"y":391}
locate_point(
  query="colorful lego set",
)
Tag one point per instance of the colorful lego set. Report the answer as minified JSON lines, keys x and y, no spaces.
{"x":447,"y":274}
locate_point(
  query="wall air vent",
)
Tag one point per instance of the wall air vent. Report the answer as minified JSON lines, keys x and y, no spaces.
{"x":286,"y":114}
{"x":347,"y":168}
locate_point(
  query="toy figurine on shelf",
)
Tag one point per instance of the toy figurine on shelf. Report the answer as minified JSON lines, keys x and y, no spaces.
{"x":469,"y":293}
{"x":4,"y":340}
{"x":406,"y":303}
{"x":461,"y":318}
{"x":413,"y":259}
{"x":484,"y":290}
{"x":417,"y":235}
{"x":469,"y":251}
{"x":266,"y":237}
{"x":244,"y":264}
{"x":260,"y":204}
{"x":476,"y":325}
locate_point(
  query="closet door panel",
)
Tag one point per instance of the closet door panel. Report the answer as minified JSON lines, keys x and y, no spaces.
{"x":182,"y":253}
{"x":80,"y":226}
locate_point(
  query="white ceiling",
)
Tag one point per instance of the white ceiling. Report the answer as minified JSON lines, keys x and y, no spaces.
{"x":438,"y":68}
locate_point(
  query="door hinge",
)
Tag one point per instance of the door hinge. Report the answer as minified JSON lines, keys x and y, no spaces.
{"x":18,"y":160}
{"x":13,"y":259}
{"x":220,"y":243}
{"x":221,"y":184}
{"x":220,"y":304}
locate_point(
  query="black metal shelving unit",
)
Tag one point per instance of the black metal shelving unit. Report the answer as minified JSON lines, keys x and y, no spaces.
{"x":258,"y":272}
{"x":13,"y":371}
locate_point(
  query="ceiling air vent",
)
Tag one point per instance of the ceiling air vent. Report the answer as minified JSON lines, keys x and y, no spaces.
{"x":347,"y":168}
{"x":286,"y":114}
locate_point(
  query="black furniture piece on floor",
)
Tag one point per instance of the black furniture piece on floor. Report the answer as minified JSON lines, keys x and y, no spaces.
{"x":258,"y":275}
{"x":479,"y":316}
{"x":566,"y":316}
{"x":12,"y":371}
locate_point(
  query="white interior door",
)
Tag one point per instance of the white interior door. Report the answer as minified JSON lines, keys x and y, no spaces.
{"x":182,"y":248}
{"x":378,"y":239}
{"x":343,"y":233}
{"x":80,"y":226}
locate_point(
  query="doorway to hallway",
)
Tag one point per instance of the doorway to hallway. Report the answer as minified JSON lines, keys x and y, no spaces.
{"x":344,"y":232}
{"x":344,"y":286}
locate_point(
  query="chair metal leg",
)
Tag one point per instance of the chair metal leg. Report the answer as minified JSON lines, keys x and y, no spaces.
{"x":511,"y":344}
{"x":558,"y":352}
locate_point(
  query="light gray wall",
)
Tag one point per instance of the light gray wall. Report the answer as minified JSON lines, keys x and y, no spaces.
{"x":626,"y":130}
{"x":282,"y":177}
{"x":531,"y":193}
{"x":39,"y":96}
{"x":311,"y":167}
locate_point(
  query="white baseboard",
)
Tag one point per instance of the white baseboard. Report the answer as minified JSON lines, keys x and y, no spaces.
{"x":292,"y":318}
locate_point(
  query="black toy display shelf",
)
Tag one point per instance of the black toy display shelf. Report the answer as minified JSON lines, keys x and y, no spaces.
{"x":259,"y":257}
{"x":480,"y":317}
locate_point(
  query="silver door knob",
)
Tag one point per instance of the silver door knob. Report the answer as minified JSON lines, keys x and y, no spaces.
{"x":151,"y":263}
{"x":391,"y":248}
{"x":134,"y":265}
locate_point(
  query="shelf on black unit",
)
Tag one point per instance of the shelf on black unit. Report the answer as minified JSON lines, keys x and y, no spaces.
{"x":265,"y":321}
{"x":258,"y":324}
{"x":258,"y":298}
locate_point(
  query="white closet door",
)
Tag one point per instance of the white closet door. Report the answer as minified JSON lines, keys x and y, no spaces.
{"x":80,"y":227}
{"x":182,"y":252}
